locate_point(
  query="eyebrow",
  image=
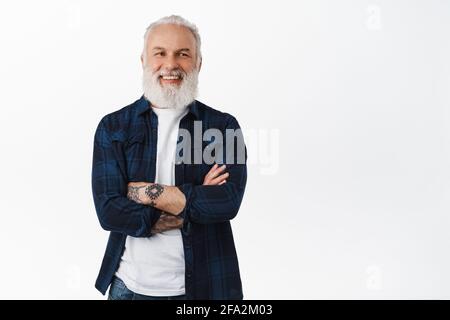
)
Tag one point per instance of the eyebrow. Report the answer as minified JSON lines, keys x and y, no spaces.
{"x":161,"y":48}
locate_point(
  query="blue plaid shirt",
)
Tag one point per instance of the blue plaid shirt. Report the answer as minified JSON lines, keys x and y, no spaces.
{"x":124,"y":151}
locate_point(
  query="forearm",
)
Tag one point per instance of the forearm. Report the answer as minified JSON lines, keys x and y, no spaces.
{"x":212,"y":204}
{"x":165,"y":198}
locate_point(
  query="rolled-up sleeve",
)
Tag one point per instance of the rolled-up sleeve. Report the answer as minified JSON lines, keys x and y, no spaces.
{"x":109,"y":186}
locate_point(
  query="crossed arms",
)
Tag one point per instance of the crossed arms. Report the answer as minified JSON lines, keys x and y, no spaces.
{"x":120,"y":209}
{"x":170,"y":199}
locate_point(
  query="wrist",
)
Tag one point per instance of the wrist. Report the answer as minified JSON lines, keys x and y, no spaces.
{"x":181,"y":203}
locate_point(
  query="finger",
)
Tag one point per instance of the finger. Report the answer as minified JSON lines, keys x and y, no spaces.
{"x":216,"y":181}
{"x":220,"y":183}
{"x":220,"y":169}
{"x":211,"y":171}
{"x":208,"y":175}
{"x":169,"y":221}
{"x":155,"y":229}
{"x":165,"y":226}
{"x":216,"y":170}
{"x":176,"y":223}
{"x":213,"y":174}
{"x":219,"y":179}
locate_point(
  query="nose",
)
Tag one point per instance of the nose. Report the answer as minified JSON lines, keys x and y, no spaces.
{"x":170,"y":63}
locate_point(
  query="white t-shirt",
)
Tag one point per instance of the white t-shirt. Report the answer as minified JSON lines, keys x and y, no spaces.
{"x":154,"y":266}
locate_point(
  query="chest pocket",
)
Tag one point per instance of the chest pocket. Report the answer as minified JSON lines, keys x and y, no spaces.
{"x":137,"y":138}
{"x":136,"y":153}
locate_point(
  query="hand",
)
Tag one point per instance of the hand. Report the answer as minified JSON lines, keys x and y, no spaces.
{"x":167,"y":222}
{"x":215,"y":177}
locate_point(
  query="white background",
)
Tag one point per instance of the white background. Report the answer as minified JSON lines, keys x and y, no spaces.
{"x":348,"y":193}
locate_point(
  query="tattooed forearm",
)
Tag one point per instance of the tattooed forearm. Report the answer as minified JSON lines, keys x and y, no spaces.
{"x":153,"y":191}
{"x":133,"y":194}
{"x":166,"y":198}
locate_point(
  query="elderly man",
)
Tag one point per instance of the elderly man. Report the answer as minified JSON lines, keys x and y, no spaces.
{"x":169,"y":220}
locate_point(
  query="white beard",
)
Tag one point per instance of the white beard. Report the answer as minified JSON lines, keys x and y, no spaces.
{"x":170,"y":96}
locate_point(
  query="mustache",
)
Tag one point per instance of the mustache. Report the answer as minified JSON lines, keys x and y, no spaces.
{"x":174,"y":73}
{"x":169,"y":96}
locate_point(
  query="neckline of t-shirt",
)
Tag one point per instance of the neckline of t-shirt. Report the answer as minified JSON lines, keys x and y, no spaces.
{"x":169,"y":111}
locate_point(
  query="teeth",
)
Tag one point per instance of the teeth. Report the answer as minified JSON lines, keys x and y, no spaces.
{"x":170,"y":77}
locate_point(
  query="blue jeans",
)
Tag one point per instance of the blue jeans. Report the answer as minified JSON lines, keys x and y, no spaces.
{"x":118,"y":291}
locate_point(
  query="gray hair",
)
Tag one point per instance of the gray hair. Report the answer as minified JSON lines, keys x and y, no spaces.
{"x":178,"y":20}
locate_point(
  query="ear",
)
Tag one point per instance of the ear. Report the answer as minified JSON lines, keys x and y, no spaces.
{"x":142,"y":60}
{"x":200,"y":64}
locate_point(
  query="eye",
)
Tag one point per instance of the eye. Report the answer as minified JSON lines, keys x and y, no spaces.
{"x":159,"y":54}
{"x":183,"y":54}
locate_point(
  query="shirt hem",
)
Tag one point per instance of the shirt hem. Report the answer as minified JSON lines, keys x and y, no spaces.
{"x":135,"y":289}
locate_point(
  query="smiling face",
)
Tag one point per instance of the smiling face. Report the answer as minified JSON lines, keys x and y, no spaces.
{"x":170,"y":51}
{"x":171,"y":67}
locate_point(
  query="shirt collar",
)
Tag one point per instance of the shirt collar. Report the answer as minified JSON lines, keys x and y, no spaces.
{"x":143,"y":105}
